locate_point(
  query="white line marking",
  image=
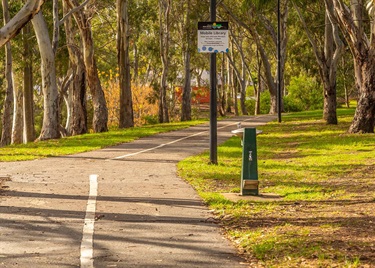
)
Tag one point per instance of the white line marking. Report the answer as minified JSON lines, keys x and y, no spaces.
{"x":181,"y":139}
{"x":87,"y":256}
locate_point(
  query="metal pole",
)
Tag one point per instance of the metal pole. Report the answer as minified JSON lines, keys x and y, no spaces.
{"x":278,"y":63}
{"x":213,"y":99}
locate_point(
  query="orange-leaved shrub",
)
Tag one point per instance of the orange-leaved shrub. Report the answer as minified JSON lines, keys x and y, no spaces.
{"x":144,"y":108}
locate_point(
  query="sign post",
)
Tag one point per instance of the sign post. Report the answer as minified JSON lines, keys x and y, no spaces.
{"x":213,"y":38}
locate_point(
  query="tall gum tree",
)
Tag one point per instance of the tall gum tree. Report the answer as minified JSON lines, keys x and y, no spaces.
{"x":327,"y":57}
{"x":6,"y":132}
{"x":252,"y":27}
{"x":28,"y":89}
{"x":123,"y":38}
{"x":50,"y":127}
{"x":76,"y":97}
{"x":363,"y":51}
{"x":186,"y":52}
{"x":164,"y":16}
{"x":100,"y":119}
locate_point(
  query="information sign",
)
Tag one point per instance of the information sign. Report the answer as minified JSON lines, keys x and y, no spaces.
{"x":213,"y":37}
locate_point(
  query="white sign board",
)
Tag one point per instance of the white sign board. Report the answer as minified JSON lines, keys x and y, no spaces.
{"x":213,"y":37}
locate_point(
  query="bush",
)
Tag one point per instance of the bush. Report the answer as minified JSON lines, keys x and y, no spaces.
{"x":304,"y":93}
{"x":250,"y":106}
{"x":265,"y":104}
{"x":292,"y":105}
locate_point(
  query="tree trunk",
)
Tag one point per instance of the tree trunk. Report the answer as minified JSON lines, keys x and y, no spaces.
{"x":329,"y":70}
{"x":222,"y":94}
{"x":260,"y":83}
{"x":100,"y":118}
{"x":136,"y":62}
{"x":17,"y":124}
{"x":186,"y":95}
{"x":126,"y":103}
{"x":243,"y":89}
{"x":327,"y":58}
{"x":363,"y":51}
{"x":76,"y":103}
{"x":17,"y":128}
{"x":269,"y":78}
{"x":28,"y":90}
{"x":364,"y":118}
{"x":6,"y":135}
{"x":50,"y":128}
{"x":230,"y":87}
{"x":164,"y":11}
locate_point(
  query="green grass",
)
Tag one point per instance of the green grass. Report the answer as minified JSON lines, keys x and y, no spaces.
{"x":84,"y":143}
{"x":309,"y":164}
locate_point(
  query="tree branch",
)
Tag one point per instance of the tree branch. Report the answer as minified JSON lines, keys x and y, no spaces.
{"x":73,"y":10}
{"x":27,"y":12}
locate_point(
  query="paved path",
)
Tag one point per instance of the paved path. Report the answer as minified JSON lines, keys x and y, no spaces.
{"x":135,"y":213}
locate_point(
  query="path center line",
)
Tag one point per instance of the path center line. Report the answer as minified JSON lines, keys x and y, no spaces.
{"x":87,"y":256}
{"x":171,"y":142}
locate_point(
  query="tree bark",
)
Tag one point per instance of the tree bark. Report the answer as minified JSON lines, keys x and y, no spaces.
{"x":50,"y":128}
{"x":28,"y":90}
{"x":164,"y":12}
{"x":186,"y":95}
{"x":100,"y":119}
{"x":260,"y":83}
{"x":76,"y":102}
{"x":126,"y":102}
{"x":16,"y":137}
{"x":6,"y":135}
{"x":363,"y":51}
{"x":17,"y":128}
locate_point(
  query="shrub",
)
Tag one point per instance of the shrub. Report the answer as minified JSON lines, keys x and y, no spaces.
{"x":145,"y":111}
{"x":304,"y":93}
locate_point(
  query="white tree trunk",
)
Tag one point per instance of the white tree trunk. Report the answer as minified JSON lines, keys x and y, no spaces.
{"x":28,"y":97}
{"x":50,"y":128}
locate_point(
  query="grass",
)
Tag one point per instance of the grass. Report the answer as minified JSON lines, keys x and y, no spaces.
{"x":84,"y":143}
{"x":325,"y":177}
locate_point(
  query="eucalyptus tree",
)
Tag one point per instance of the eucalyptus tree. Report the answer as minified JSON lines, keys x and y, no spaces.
{"x":263,"y":32}
{"x":50,"y":128}
{"x":82,"y":18}
{"x":352,"y":21}
{"x":28,"y":88}
{"x":241,"y":73}
{"x":7,"y":120}
{"x":75,"y":98}
{"x":164,"y":24}
{"x":186,"y":52}
{"x":123,"y":43}
{"x":327,"y":56}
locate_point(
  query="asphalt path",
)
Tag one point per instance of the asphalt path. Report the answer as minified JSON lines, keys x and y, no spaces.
{"x":123,"y":206}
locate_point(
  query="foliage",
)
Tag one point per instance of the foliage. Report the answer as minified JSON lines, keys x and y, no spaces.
{"x":145,"y":109}
{"x":324,"y":177}
{"x":304,"y":94}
